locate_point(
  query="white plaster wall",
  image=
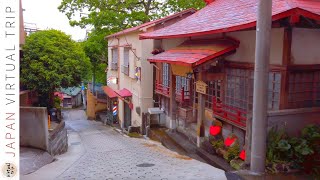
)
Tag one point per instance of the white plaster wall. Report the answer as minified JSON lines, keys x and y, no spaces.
{"x":305,"y":47}
{"x":146,"y":76}
{"x":111,"y":73}
{"x":171,"y":43}
{"x":246,"y":50}
{"x":142,"y":91}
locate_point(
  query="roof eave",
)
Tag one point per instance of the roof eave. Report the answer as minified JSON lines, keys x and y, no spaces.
{"x":295,"y":11}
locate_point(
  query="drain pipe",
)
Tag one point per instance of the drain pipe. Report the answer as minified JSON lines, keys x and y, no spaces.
{"x":260,"y":93}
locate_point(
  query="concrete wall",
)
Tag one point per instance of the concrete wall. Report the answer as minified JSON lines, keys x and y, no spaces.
{"x":34,"y":127}
{"x":246,"y":50}
{"x":305,"y":46}
{"x":58,"y":140}
{"x":294,"y":120}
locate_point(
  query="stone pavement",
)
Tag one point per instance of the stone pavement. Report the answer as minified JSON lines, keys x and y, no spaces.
{"x":32,"y":159}
{"x":99,"y":152}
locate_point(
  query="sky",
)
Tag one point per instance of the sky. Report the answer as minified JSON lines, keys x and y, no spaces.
{"x":45,"y":14}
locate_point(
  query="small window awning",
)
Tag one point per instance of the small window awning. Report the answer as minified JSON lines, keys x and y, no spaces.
{"x":124,"y":93}
{"x":195,"y":52}
{"x":109,"y":92}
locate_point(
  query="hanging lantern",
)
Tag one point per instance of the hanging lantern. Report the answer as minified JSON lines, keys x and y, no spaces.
{"x":229,"y":141}
{"x":215,"y":130}
{"x":242,"y":155}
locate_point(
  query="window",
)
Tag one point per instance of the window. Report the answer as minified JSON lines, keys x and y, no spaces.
{"x":213,"y":89}
{"x":304,"y":89}
{"x":182,"y":88}
{"x":114,"y":60}
{"x":166,"y":75}
{"x":125,"y":66}
{"x":239,"y":89}
{"x":274,"y":90}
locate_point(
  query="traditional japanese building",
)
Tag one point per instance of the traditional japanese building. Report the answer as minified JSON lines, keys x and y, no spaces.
{"x":205,"y":74}
{"x":129,"y":75}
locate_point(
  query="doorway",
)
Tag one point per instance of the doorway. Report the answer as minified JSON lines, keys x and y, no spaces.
{"x":127,"y":116}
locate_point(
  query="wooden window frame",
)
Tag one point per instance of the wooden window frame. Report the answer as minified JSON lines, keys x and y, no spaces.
{"x":114,"y":58}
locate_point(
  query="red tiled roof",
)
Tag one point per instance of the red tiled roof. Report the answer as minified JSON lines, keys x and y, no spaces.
{"x":232,"y":15}
{"x":196,"y":52}
{"x":110,"y":92}
{"x":124,"y":93}
{"x":158,"y":21}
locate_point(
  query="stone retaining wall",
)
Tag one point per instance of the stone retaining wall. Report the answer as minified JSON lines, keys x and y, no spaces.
{"x":58,"y":140}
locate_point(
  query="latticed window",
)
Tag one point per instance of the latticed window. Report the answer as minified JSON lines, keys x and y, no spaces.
{"x":114,"y":60}
{"x":274,"y":90}
{"x":304,"y":89}
{"x":182,"y":82}
{"x":165,"y":75}
{"x":239,"y":89}
{"x":213,"y":90}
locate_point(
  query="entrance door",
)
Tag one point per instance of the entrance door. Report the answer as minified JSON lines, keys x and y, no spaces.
{"x":127,"y":116}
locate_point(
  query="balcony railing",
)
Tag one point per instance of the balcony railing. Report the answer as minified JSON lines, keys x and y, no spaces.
{"x":114,"y":66}
{"x":162,"y":89}
{"x":125,"y":70}
{"x":182,"y":95}
{"x":229,"y":113}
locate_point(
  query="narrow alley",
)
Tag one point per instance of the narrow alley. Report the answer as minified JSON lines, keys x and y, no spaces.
{"x":99,"y":152}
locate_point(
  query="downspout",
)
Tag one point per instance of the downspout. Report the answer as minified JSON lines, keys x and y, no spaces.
{"x":118,"y":63}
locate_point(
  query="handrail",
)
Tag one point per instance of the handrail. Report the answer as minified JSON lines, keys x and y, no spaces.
{"x":238,"y":116}
{"x":162,"y":88}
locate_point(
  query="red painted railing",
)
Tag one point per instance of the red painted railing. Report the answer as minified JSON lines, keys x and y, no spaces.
{"x":182,"y":95}
{"x":232,"y":114}
{"x":161,"y":89}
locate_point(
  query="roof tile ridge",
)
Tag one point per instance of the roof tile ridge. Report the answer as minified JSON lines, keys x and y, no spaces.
{"x":291,"y":3}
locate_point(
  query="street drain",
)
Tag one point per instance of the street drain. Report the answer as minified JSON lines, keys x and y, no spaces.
{"x":75,"y":143}
{"x":145,"y":165}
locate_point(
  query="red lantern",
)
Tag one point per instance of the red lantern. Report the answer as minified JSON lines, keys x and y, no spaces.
{"x":242,"y":155}
{"x":215,"y":130}
{"x":229,"y":141}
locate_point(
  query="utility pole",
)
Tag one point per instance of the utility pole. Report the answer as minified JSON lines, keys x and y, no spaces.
{"x":260,"y":93}
{"x":83,"y":95}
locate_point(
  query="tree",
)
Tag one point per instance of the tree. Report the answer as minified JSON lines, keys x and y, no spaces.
{"x":95,"y":48}
{"x":116,"y":15}
{"x":110,"y":16}
{"x":51,"y":60}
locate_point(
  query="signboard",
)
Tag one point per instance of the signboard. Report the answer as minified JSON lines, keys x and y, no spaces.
{"x":138,"y":73}
{"x":112,"y":80}
{"x":201,"y":87}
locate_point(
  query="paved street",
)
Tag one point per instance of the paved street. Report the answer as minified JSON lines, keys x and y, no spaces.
{"x":99,"y":152}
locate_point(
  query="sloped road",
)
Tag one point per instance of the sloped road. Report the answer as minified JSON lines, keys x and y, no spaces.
{"x":99,"y":152}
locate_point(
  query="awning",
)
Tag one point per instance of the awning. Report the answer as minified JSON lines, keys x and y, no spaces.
{"x":196,"y":52}
{"x":109,"y":92}
{"x":124,"y":93}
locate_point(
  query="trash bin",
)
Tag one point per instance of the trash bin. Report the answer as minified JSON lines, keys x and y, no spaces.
{"x":53,"y":114}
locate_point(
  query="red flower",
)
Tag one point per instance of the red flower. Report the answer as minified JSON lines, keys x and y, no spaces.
{"x":229,"y":141}
{"x":242,"y":155}
{"x":215,"y":130}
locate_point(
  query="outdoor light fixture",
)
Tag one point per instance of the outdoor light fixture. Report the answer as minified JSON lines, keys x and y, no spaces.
{"x":189,"y":75}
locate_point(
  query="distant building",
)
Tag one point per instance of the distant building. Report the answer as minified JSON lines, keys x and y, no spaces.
{"x":71,"y":97}
{"x":129,"y":75}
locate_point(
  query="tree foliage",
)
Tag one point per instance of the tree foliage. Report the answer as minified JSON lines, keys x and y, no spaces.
{"x":51,"y":59}
{"x":110,"y":16}
{"x":116,"y":15}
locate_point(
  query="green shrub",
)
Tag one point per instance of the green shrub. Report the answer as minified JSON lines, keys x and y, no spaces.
{"x":217,"y":144}
{"x":232,"y":152}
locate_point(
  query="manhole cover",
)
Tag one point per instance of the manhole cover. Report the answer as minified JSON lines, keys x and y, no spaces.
{"x":75,"y":143}
{"x":145,"y":165}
